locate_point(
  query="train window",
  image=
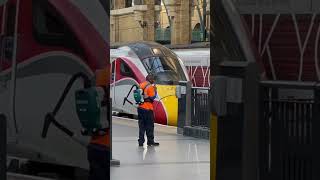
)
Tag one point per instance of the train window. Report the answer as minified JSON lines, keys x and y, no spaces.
{"x":48,"y":26}
{"x":166,"y":68}
{"x":11,"y":19}
{"x":8,"y":41}
{"x":125,"y":70}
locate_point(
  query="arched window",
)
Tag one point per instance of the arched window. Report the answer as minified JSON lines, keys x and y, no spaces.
{"x":128,"y":3}
{"x":197,"y":27}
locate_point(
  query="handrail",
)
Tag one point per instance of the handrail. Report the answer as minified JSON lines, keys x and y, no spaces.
{"x":201,"y":88}
{"x":290,"y":84}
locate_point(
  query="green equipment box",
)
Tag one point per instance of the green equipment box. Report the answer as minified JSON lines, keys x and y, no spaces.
{"x":88,"y":109}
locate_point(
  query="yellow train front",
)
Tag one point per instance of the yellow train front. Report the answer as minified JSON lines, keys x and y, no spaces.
{"x":131,"y":63}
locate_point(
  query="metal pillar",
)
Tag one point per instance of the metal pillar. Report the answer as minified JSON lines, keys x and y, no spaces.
{"x":236,"y":103}
{"x":204,"y":20}
{"x":184,"y":105}
{"x":188,"y":103}
{"x":3,"y":147}
{"x":181,"y":94}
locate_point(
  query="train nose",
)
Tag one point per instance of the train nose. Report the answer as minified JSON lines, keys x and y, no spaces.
{"x":166,"y":109}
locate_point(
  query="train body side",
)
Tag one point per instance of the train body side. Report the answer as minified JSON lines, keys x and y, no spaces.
{"x":50,"y":49}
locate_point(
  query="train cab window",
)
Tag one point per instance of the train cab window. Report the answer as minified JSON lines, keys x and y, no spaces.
{"x":167,"y":69}
{"x":125,"y":70}
{"x":49,"y":27}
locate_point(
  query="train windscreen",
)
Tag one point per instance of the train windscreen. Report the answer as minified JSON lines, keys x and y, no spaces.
{"x":167,"y":69}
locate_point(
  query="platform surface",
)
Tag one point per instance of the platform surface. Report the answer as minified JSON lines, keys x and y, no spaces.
{"x":177,"y":157}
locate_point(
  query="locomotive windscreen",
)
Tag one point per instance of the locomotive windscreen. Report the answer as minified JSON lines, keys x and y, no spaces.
{"x":166,"y":69}
{"x":158,"y":60}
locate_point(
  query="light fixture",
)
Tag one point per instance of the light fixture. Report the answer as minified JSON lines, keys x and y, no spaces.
{"x":156,"y":51}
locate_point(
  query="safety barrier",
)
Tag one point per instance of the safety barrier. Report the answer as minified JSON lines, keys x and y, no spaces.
{"x":200,"y":109}
{"x":3,"y":147}
{"x":162,"y":34}
{"x":289,"y":129}
{"x":197,"y":36}
{"x":199,"y":126}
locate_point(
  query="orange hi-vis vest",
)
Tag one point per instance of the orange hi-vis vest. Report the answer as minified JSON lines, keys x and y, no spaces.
{"x":103,"y":140}
{"x":149,"y":91}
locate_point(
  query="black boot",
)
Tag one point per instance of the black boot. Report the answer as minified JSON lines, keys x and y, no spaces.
{"x":153,"y":144}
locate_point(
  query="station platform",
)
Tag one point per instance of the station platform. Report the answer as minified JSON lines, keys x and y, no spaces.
{"x":177,"y":157}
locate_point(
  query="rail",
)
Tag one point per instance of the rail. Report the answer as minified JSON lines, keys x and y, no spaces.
{"x":200,"y":109}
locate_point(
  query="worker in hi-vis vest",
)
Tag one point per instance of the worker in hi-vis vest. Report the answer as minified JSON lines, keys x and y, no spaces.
{"x":145,"y":112}
{"x":99,"y":146}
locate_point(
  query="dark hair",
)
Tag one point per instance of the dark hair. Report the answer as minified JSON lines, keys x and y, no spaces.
{"x":149,"y":77}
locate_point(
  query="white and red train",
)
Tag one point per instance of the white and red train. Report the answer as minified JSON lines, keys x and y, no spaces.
{"x":44,"y":43}
{"x":197,"y":62}
{"x":130,"y":65}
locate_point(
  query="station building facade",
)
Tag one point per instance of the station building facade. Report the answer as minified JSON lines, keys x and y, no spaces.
{"x":165,"y":21}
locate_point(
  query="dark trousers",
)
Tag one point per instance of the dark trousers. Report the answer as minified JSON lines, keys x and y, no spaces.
{"x":146,"y":125}
{"x":99,"y":161}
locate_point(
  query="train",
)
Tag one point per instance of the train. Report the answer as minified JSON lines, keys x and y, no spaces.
{"x":197,"y":62}
{"x":43,"y":44}
{"x":130,"y":64}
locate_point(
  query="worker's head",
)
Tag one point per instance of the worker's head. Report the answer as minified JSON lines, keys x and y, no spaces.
{"x":150,"y":78}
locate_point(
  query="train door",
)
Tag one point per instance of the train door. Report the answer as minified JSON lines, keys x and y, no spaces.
{"x":8,"y":59}
{"x":125,"y":80}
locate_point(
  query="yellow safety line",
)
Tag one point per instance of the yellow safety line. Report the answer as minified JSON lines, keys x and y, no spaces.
{"x":213,"y":146}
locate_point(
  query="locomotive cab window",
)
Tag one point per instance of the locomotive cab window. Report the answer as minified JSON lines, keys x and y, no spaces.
{"x":49,"y":27}
{"x":125,"y":70}
{"x":167,"y":69}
